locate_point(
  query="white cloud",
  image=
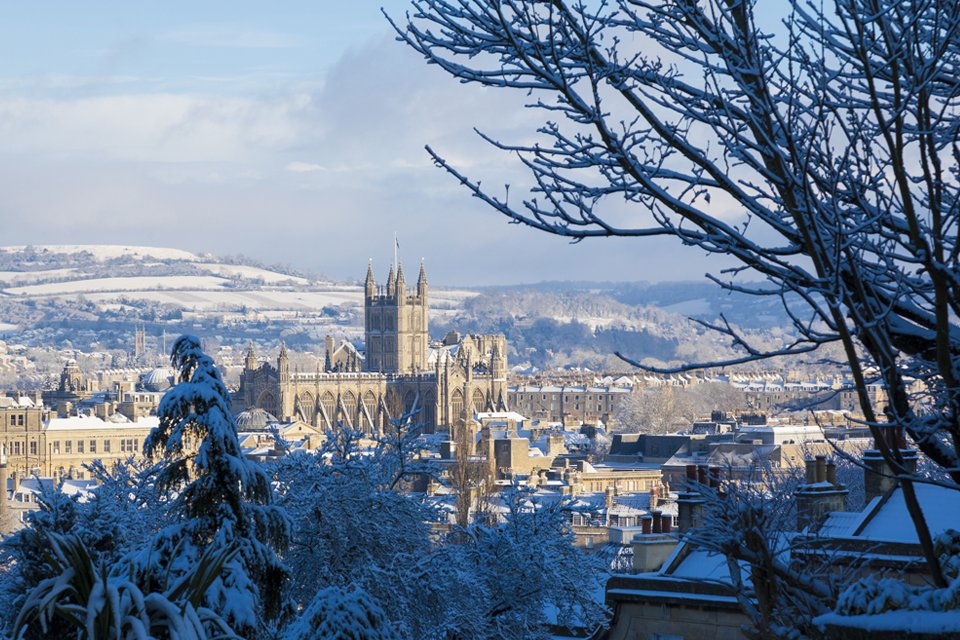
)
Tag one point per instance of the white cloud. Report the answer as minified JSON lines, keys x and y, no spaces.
{"x":297,"y":175}
{"x":304,"y":167}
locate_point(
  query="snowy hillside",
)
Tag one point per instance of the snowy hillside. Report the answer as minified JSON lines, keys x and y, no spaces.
{"x":103,"y":252}
{"x":51,"y":294}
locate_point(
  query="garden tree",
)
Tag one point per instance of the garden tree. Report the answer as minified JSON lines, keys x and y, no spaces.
{"x":22,"y":554}
{"x":664,"y":409}
{"x":515,"y":571}
{"x":58,"y":568}
{"x":223,"y":500}
{"x":470,"y":476}
{"x":352,"y":532}
{"x":339,"y":614}
{"x":355,"y":537}
{"x":668,"y":408}
{"x":398,"y":446}
{"x":820,"y":153}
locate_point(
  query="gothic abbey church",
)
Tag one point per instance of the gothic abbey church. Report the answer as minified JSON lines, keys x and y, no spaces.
{"x":401,"y":370}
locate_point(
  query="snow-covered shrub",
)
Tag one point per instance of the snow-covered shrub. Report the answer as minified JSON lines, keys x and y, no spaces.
{"x":22,"y":560}
{"x":90,"y":600}
{"x":352,"y":531}
{"x":521,"y":576}
{"x":341,"y":614}
{"x":873,"y":595}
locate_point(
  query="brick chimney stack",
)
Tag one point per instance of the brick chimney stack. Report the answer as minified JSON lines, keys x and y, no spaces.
{"x":819,"y":495}
{"x":689,"y":501}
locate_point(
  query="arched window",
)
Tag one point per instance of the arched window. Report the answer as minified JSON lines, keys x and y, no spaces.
{"x":329,"y":404}
{"x":350,"y":405}
{"x":408,"y":400}
{"x":370,"y":404}
{"x":268,"y":402}
{"x":456,"y":406}
{"x":308,"y":407}
{"x":477,"y":401}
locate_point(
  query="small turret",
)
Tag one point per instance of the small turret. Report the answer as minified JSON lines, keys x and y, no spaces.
{"x":422,"y":281}
{"x":370,"y":286}
{"x":391,"y":283}
{"x":329,"y":348}
{"x":283,"y":363}
{"x":401,"y":282}
{"x":250,"y":362}
{"x":498,"y":364}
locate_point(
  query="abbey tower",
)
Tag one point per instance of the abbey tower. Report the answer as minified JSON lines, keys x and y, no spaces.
{"x":396,"y":323}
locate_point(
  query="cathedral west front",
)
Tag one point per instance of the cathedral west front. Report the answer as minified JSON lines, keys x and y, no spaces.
{"x":401,"y":370}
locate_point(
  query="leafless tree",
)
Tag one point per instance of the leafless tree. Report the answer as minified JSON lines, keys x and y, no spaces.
{"x":667,"y":409}
{"x":831,"y":137}
{"x":470,"y":477}
{"x":663,"y":409}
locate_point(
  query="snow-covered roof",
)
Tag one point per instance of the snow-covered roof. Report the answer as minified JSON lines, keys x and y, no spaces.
{"x":91,"y":422}
{"x":500,"y":416}
{"x":889,"y":520}
{"x":698,"y":564}
{"x":254,"y":419}
{"x":842,"y":524}
{"x":70,"y":487}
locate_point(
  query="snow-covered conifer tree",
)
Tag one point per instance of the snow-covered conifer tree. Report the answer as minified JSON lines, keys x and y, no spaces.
{"x":222,"y":498}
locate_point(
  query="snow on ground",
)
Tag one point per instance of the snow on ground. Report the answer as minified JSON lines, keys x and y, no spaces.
{"x":199,"y":300}
{"x":21,"y":277}
{"x":134,"y":283}
{"x":206,"y":293}
{"x":454,"y":298}
{"x":109,"y":251}
{"x":697,"y":307}
{"x":252,"y":273}
{"x":926,"y":622}
{"x":593,"y":322}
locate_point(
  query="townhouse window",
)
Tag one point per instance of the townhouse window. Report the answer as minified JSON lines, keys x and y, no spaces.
{"x":20,"y":420}
{"x":79,"y":446}
{"x":56,"y":446}
{"x":106,"y":446}
{"x":93,"y":446}
{"x":68,"y":446}
{"x":33,"y":448}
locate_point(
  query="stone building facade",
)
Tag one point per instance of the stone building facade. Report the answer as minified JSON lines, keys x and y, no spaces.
{"x":400,"y":371}
{"x":33,"y":440}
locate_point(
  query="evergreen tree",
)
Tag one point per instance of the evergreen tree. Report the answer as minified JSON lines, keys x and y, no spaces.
{"x":223,"y":499}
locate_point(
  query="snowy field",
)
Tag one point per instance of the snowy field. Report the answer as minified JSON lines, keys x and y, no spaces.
{"x":110,"y":251}
{"x":700,"y":306}
{"x":25,"y":277}
{"x":210,"y":293}
{"x":251,"y":273}
{"x":223,"y":288}
{"x":134,"y":283}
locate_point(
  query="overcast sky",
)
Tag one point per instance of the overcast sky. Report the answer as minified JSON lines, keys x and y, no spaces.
{"x":290,"y":132}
